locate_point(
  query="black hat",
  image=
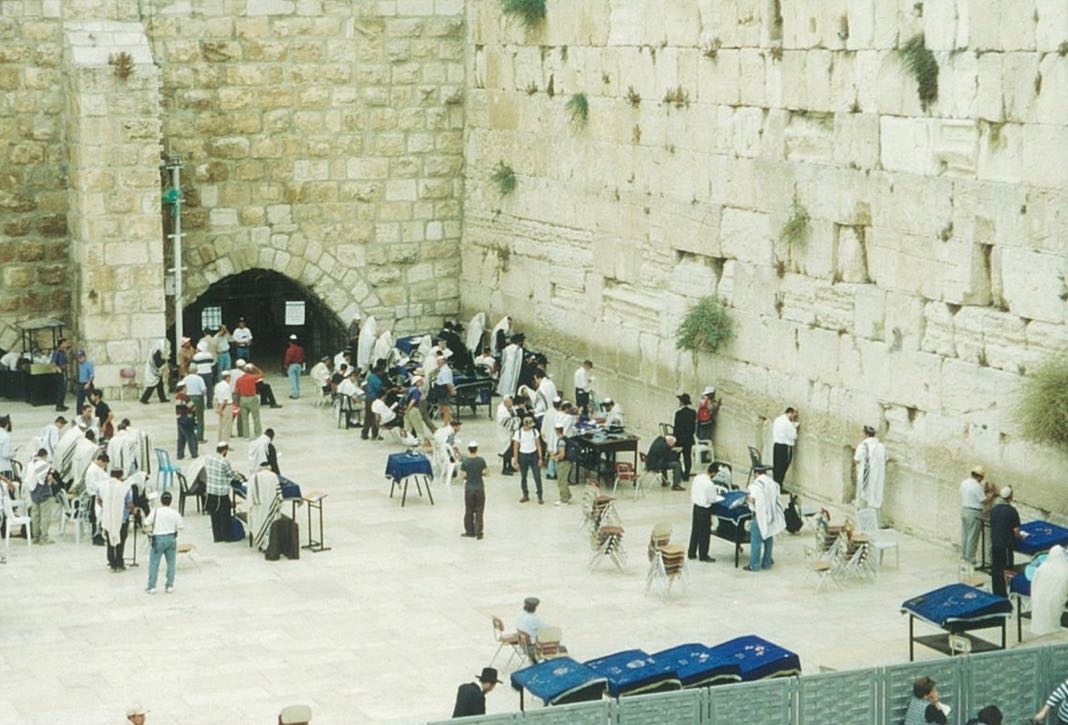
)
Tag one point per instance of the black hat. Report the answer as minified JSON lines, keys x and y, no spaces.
{"x":489,"y":674}
{"x":684,"y":398}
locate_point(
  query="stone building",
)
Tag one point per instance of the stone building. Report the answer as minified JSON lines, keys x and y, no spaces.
{"x":349,"y":146}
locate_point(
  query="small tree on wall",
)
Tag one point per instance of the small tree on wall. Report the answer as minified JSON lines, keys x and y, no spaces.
{"x":920,"y":62}
{"x":706,"y":327}
{"x":529,"y":12}
{"x":1042,"y":409}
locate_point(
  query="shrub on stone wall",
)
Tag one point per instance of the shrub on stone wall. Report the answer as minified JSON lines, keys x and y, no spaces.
{"x":706,"y":327}
{"x":529,"y":12}
{"x":503,"y":178}
{"x":579,"y":110}
{"x":922,"y":65}
{"x":1042,"y":409}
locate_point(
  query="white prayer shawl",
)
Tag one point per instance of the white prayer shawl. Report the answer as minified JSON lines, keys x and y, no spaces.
{"x":257,"y":453}
{"x":383,"y":347}
{"x":63,"y":454}
{"x":507,"y":423}
{"x":112,"y":503}
{"x":367,"y":343}
{"x":548,"y":429}
{"x":48,"y":438}
{"x":262,"y":488}
{"x":475,"y":328}
{"x":339,"y":360}
{"x":194,"y":469}
{"x":84,"y":454}
{"x":385,"y":413}
{"x":152,"y":373}
{"x":123,"y":450}
{"x":444,"y":441}
{"x":568,"y":420}
{"x":870,"y":458}
{"x":320,"y":373}
{"x":505,"y":325}
{"x":1049,"y":592}
{"x":511,"y":361}
{"x":766,"y":509}
{"x":543,"y":399}
{"x":426,"y":344}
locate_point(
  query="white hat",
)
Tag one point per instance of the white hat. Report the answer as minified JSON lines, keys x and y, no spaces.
{"x":225,"y":373}
{"x":472,"y":444}
{"x":249,"y":367}
{"x":295,"y":715}
{"x":608,"y":401}
{"x":240,"y":363}
{"x":221,"y":444}
{"x":135,"y":710}
{"x":417,"y":379}
{"x":1006,"y":492}
{"x":709,"y":390}
{"x":292,"y":337}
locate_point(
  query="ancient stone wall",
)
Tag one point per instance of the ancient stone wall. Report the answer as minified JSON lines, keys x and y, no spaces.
{"x":931,"y":277}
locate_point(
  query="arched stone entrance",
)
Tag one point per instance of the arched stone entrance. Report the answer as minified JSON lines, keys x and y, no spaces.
{"x":274,"y":307}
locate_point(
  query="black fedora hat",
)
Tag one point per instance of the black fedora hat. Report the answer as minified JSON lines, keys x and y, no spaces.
{"x":489,"y":674}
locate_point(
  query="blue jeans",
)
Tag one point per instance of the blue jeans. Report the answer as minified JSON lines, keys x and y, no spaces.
{"x":293,"y":371}
{"x":755,"y":542}
{"x":243,"y":353}
{"x":529,"y":462}
{"x":162,"y":545}
{"x":187,"y":436}
{"x":222,"y":363}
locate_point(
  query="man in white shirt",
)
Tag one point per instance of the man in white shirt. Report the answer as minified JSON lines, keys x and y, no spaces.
{"x":973,"y":497}
{"x":507,"y":423}
{"x":224,"y":406}
{"x":5,"y":447}
{"x":545,"y":394}
{"x":49,"y":435}
{"x":444,"y":390}
{"x":445,"y":449}
{"x":870,"y":460}
{"x":165,"y":523}
{"x":197,"y":390}
{"x":702,"y":495}
{"x":242,"y":340}
{"x":527,"y":457}
{"x":584,"y":386}
{"x":613,"y":415}
{"x":529,"y":623}
{"x":784,"y":434}
{"x":203,"y":362}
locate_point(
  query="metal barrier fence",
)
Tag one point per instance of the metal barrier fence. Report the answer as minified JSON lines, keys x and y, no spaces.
{"x":1017,"y":681}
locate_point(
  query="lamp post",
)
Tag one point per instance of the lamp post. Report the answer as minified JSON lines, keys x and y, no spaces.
{"x":173,"y":196}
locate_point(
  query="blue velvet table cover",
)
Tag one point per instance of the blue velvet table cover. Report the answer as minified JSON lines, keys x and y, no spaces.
{"x":957,"y":603}
{"x":732,"y":507}
{"x":401,"y":465}
{"x":1041,"y":536}
{"x":697,"y":665}
{"x":758,"y":659}
{"x":632,"y":671}
{"x":555,"y":679}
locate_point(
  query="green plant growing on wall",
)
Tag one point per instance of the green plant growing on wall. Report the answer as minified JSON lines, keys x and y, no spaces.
{"x":632,"y":97}
{"x":921,"y":65}
{"x":529,"y":12}
{"x":503,"y":177}
{"x":1042,"y":408}
{"x":707,"y":326}
{"x":578,"y":108}
{"x":122,"y":64}
{"x":678,"y":97}
{"x":795,"y":230}
{"x":711,"y":49}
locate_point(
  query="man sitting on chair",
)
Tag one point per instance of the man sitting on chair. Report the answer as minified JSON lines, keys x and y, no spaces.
{"x":662,"y":457}
{"x":529,"y":623}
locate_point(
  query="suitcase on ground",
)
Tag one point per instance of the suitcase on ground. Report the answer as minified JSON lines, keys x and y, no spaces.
{"x":284,"y":540}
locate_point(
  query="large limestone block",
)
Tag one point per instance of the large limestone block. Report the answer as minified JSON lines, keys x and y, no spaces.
{"x":938,"y":330}
{"x":916,"y":379}
{"x":746,"y":235}
{"x":1033,"y":284}
{"x":1052,"y":27}
{"x":1046,"y":155}
{"x":907,"y":144}
{"x":992,"y":338}
{"x":968,"y":387}
{"x":958,"y":86}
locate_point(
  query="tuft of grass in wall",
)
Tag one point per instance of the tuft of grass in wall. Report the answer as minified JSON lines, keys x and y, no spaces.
{"x":997,"y":138}
{"x":532,"y":88}
{"x":632,"y":97}
{"x":503,"y":177}
{"x":578,"y":108}
{"x":710,"y":49}
{"x":1062,"y":49}
{"x":776,"y":52}
{"x":530,"y":13}
{"x":122,"y":64}
{"x":636,"y":134}
{"x":678,"y":97}
{"x":707,"y":326}
{"x":923,"y":67}
{"x":1042,"y":408}
{"x":796,"y":228}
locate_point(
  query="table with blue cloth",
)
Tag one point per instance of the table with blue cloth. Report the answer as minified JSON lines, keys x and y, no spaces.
{"x":957,"y":609}
{"x":757,"y":658}
{"x":408,"y":344}
{"x":401,"y":467}
{"x":473,"y":391}
{"x":1038,"y":536}
{"x":700,"y":666}
{"x":635,"y":672}
{"x":559,"y":681}
{"x":733,"y":519}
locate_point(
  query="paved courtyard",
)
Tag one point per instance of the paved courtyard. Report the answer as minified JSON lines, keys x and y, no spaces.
{"x":382,"y":628}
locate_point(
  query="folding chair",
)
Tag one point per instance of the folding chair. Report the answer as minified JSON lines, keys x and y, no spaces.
{"x":754,"y":463}
{"x":14,"y":521}
{"x":608,"y":544}
{"x":74,"y":512}
{"x":881,"y":539}
{"x":507,"y":640}
{"x":660,"y":536}
{"x":668,"y":565}
{"x":824,"y":563}
{"x":660,"y":476}
{"x":547,"y":644}
{"x":667,"y":429}
{"x":625,"y":473}
{"x":858,"y":561}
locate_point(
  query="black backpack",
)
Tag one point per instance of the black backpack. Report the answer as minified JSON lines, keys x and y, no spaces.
{"x":793,"y":516}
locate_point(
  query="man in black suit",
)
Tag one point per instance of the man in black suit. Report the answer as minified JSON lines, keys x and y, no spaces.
{"x":662,"y":457}
{"x":471,"y":698}
{"x":684,"y":427}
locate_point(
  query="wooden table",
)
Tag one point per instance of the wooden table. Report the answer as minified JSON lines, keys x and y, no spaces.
{"x":597,"y":446}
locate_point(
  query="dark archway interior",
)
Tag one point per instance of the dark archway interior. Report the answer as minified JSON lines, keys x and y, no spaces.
{"x":262,"y":297}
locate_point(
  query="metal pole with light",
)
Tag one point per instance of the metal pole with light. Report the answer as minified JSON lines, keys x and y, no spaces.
{"x":173,"y":196}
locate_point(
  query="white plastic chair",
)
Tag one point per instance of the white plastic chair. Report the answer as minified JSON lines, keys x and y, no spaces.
{"x":881,"y":539}
{"x":75,"y":512}
{"x":703,"y":453}
{"x":14,"y":521}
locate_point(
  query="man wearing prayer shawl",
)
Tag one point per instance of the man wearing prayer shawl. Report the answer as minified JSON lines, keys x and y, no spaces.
{"x":262,"y":449}
{"x":63,"y":453}
{"x":124,"y":449}
{"x":116,"y":502}
{"x":1049,"y":592}
{"x":262,"y":488}
{"x":507,"y":425}
{"x":85,"y":450}
{"x":499,"y":336}
{"x":768,"y":519}
{"x":870,"y":458}
{"x":511,"y":365}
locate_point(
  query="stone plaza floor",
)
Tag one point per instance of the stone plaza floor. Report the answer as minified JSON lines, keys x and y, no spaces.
{"x":384,"y":626}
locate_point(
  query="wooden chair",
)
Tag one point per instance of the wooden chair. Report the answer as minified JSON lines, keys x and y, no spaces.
{"x":661,"y":476}
{"x":625,"y":473}
{"x":526,"y":645}
{"x":660,"y":536}
{"x":507,"y":640}
{"x":547,"y":644}
{"x":608,"y":544}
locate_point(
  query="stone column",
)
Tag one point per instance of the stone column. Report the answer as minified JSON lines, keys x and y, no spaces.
{"x":116,"y":250}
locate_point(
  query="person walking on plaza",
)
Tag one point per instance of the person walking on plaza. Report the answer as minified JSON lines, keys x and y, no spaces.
{"x":164,"y":523}
{"x":473,"y":469}
{"x":155,"y":371}
{"x":563,"y":465}
{"x":870,"y":460}
{"x":784,"y":434}
{"x":219,"y":474}
{"x":1004,"y":531}
{"x":245,"y":387}
{"x":38,"y":481}
{"x":115,"y":500}
{"x":293,"y":361}
{"x":684,"y":428}
{"x":526,"y":456}
{"x":59,"y":363}
{"x":471,"y":698}
{"x":702,"y":495}
{"x":197,"y":392}
{"x":768,"y":519}
{"x":242,"y":340}
{"x":973,"y":497}
{"x":223,"y":361}
{"x":86,"y":375}
{"x":224,"y":405}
